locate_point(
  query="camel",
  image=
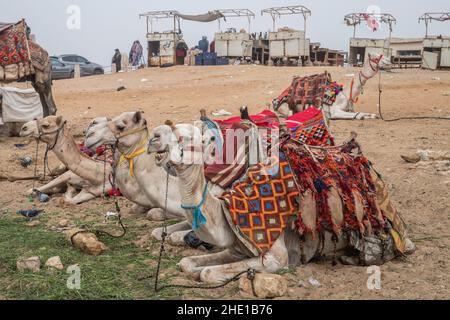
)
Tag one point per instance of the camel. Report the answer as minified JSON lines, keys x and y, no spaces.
{"x":137,"y":172}
{"x":92,"y":175}
{"x":37,"y":69}
{"x":186,"y":160}
{"x":343,"y":107}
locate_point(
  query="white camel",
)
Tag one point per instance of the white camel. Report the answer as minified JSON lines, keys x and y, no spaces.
{"x":343,"y":108}
{"x":137,"y":172}
{"x":90,"y":174}
{"x":186,"y":160}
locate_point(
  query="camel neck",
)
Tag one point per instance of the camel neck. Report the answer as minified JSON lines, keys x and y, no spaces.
{"x":68,"y":153}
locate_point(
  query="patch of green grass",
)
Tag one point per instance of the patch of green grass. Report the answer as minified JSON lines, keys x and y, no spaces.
{"x":113,"y":275}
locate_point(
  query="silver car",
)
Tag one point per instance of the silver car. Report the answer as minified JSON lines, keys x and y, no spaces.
{"x":87,"y":68}
{"x":61,"y":70}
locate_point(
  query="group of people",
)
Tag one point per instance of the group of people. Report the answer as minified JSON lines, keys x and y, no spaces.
{"x":134,"y":58}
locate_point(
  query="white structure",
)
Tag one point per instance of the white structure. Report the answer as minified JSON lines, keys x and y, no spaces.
{"x":287,"y":44}
{"x":162,"y":46}
{"x":234,"y":44}
{"x":430,"y":53}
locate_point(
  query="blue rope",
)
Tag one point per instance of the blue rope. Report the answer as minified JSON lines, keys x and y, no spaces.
{"x":199,"y":218}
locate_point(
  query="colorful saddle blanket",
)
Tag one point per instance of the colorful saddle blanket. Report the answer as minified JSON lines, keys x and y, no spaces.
{"x":314,"y":90}
{"x":299,"y":190}
{"x":13,"y":44}
{"x":308,"y":127}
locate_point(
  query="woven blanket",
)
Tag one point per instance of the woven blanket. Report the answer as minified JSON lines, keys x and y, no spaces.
{"x":313,"y":190}
{"x":308,"y":127}
{"x":343,"y":174}
{"x":262,"y":203}
{"x":313,"y":132}
{"x":13,"y":44}
{"x":231,"y":161}
{"x":304,"y":91}
{"x":307,"y":91}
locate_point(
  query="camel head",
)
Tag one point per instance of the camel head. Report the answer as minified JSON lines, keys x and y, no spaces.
{"x":176,"y":145}
{"x":98,"y":133}
{"x":128,"y":128}
{"x":377,"y":61}
{"x":46,"y":129}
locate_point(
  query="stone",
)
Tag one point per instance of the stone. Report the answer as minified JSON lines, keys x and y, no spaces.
{"x":54,"y":262}
{"x":33,"y":224}
{"x":31,"y":263}
{"x":86,"y":242}
{"x":267,"y":286}
{"x":64,"y":223}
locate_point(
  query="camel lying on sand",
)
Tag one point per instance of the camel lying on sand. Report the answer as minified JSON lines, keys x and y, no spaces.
{"x":185,"y":158}
{"x":343,"y":107}
{"x":91,"y":175}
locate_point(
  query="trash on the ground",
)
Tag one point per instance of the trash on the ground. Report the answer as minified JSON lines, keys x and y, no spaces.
{"x":436,"y":78}
{"x":111,"y":214}
{"x":30,"y":214}
{"x":26,"y":161}
{"x":144,"y":80}
{"x":43,"y":197}
{"x":314,"y":282}
{"x":21,"y":146}
{"x":121,"y":88}
{"x":221,"y":112}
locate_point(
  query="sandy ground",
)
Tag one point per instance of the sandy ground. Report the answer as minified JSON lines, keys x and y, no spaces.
{"x":421,"y":192}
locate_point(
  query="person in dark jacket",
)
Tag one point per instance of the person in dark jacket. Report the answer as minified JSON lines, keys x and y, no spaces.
{"x":117,"y":59}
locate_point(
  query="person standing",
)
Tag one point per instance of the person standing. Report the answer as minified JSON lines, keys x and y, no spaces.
{"x":117,"y":59}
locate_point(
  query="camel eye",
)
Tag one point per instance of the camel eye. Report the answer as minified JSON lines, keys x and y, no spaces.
{"x":45,"y":125}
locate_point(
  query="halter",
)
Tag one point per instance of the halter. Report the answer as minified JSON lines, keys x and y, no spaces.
{"x":139,"y":150}
{"x":42,"y":133}
{"x":199,"y":218}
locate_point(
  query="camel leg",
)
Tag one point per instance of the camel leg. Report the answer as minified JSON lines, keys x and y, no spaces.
{"x":182,"y":226}
{"x":58,"y":182}
{"x":177,"y":238}
{"x":337,"y":114}
{"x":81,"y":197}
{"x":274,"y":260}
{"x":137,"y":209}
{"x":156,"y":214}
{"x":193,"y":266}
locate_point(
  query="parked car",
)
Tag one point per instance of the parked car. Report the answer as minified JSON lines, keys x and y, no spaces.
{"x":64,"y":66}
{"x":61,"y":70}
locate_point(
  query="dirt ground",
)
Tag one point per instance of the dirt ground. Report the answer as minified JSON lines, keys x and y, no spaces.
{"x":420,"y":192}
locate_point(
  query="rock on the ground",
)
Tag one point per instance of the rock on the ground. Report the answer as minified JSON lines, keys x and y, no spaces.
{"x":86,"y":242}
{"x":63,"y":223}
{"x":31,"y":263}
{"x":266,"y":285}
{"x":54,"y":262}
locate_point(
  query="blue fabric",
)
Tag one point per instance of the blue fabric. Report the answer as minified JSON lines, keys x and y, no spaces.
{"x":199,"y":218}
{"x":217,"y":134}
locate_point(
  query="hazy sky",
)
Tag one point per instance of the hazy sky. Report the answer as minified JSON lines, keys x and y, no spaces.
{"x":107,"y":24}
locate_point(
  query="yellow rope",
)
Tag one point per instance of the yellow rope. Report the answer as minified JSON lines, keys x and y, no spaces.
{"x":130,"y":157}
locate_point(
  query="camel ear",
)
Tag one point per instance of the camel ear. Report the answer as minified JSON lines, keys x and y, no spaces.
{"x":137,"y":117}
{"x":59,"y":120}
